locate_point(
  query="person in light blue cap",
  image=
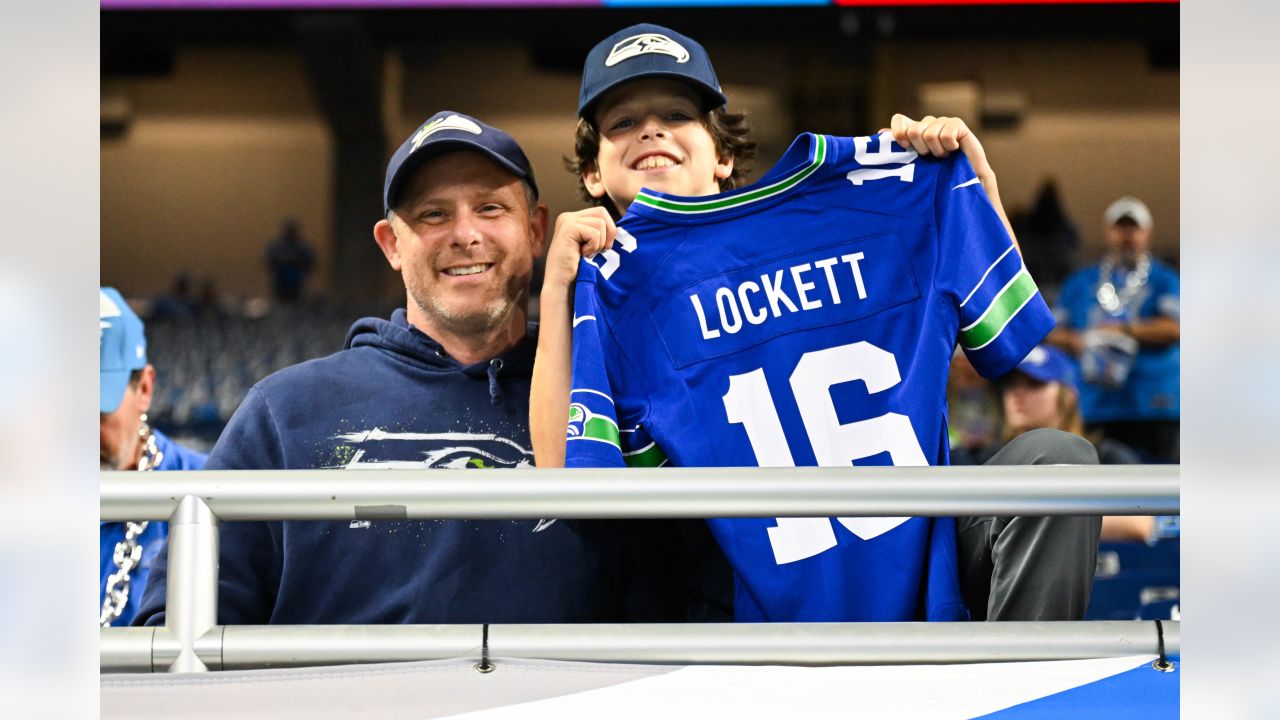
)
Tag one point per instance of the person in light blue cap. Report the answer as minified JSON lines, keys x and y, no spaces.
{"x":128,"y":442}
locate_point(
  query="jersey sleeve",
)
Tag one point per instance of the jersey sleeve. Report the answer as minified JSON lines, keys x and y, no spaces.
{"x":596,"y":437}
{"x":592,"y":437}
{"x":1002,"y":314}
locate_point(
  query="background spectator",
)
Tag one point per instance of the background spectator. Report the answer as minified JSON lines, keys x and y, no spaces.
{"x":128,"y":442}
{"x":289,"y":260}
{"x":1042,"y":392}
{"x":973,"y":410}
{"x":1049,"y":240}
{"x":1120,"y":318}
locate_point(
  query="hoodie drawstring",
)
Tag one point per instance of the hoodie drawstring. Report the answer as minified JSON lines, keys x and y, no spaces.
{"x":495,"y":393}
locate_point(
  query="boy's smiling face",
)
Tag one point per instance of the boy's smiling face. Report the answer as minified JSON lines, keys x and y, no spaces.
{"x":652,"y":136}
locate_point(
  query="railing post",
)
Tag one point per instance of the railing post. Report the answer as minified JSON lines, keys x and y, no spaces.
{"x":126,"y":649}
{"x":191,"y":607}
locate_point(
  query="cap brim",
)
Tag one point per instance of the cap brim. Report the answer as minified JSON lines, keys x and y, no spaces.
{"x":436,"y":149}
{"x":1037,"y":373}
{"x":111,"y":387}
{"x":711,"y":97}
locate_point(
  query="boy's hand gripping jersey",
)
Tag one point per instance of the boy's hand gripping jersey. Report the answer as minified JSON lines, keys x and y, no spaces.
{"x":808,"y":319}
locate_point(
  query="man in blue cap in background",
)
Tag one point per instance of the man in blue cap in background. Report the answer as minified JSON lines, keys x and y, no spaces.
{"x":127,"y":442}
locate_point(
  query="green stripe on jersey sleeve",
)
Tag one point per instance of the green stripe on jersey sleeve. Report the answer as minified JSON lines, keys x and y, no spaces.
{"x":602,"y":429}
{"x":649,"y":456}
{"x":999,"y":313}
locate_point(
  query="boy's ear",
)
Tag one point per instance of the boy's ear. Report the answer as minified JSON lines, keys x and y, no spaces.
{"x":724,"y":168}
{"x":592,"y":182}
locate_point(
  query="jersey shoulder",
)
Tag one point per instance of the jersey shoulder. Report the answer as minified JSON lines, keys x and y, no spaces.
{"x":876,"y":175}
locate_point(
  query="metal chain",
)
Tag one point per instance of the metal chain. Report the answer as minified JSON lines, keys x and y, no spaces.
{"x":1117,"y":302}
{"x":128,"y":553}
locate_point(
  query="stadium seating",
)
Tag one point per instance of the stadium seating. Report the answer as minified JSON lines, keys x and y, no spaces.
{"x":206,"y":362}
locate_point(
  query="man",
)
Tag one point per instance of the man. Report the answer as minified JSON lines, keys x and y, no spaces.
{"x":444,"y":383}
{"x":1120,"y":319}
{"x":126,"y":385}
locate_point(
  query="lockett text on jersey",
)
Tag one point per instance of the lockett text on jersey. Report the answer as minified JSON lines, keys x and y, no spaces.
{"x":798,"y":288}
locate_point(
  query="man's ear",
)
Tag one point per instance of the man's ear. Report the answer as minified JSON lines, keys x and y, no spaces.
{"x":538,"y":227}
{"x":385,"y":235}
{"x":146,"y":387}
{"x":591,"y":180}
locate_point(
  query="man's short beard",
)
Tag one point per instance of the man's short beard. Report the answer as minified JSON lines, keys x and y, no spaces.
{"x":476,"y":322}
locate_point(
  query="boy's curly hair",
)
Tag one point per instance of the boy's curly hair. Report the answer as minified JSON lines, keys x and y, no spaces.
{"x":730,"y":131}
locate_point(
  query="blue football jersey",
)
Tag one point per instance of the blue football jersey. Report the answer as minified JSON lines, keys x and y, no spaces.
{"x":808,"y":319}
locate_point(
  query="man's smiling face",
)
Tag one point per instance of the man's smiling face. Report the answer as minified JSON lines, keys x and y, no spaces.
{"x":466,"y":237}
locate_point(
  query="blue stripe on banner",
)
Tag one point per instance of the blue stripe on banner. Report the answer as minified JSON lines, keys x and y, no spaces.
{"x":1142,"y":692}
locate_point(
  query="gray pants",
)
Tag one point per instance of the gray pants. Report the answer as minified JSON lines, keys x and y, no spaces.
{"x":1031,"y":568}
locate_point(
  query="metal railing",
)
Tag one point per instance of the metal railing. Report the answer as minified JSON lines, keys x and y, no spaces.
{"x":195,"y":503}
{"x":154,"y":649}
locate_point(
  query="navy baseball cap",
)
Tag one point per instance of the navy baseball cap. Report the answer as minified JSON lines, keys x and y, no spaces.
{"x":1048,"y":364}
{"x":647,"y":51}
{"x":122,"y":347}
{"x":447,"y":131}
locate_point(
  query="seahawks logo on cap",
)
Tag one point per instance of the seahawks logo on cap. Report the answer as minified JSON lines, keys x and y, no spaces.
{"x":646,"y":43}
{"x":453,"y":122}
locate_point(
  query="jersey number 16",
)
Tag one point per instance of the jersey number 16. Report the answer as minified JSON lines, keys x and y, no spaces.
{"x":835,"y":444}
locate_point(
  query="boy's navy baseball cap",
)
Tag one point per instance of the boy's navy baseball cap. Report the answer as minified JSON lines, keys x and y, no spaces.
{"x":1048,"y":364}
{"x":447,"y":131}
{"x":647,"y":51}
{"x":122,"y":347}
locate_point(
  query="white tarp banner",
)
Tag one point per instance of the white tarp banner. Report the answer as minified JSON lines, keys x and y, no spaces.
{"x":1110,"y":687}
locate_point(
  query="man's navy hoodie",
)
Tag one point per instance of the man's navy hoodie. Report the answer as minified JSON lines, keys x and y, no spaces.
{"x":392,"y":398}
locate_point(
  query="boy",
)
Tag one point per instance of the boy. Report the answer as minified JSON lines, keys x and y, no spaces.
{"x":697,"y":107}
{"x":652,"y":117}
